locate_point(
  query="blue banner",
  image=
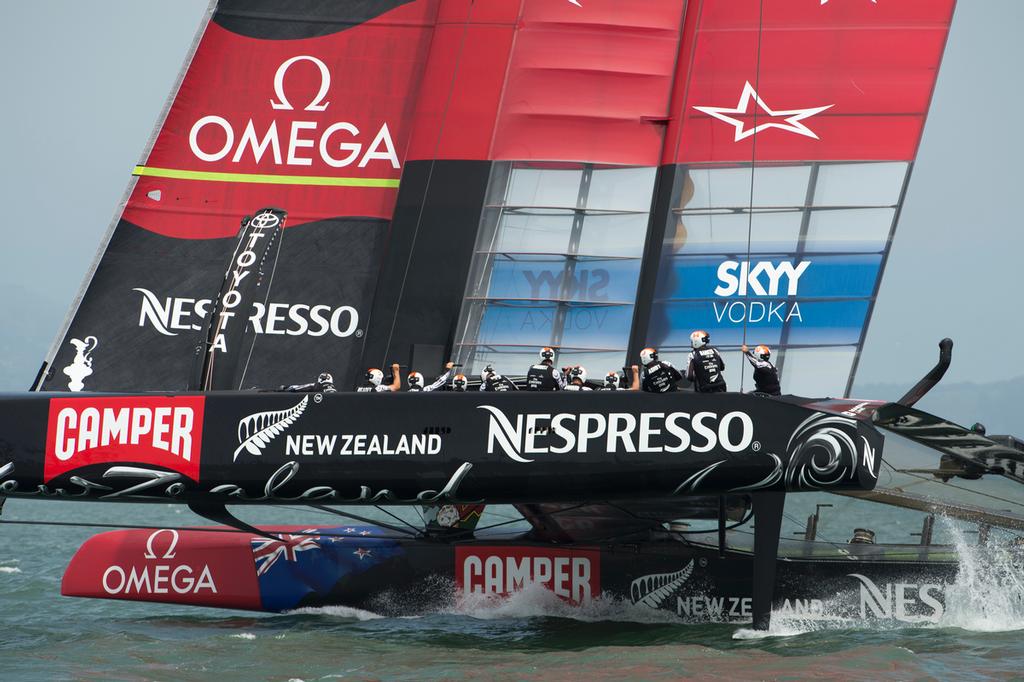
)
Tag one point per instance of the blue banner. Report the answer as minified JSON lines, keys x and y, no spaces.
{"x":592,"y":280}
{"x":585,"y":326}
{"x":771,"y":276}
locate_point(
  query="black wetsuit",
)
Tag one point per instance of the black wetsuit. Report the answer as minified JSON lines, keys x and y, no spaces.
{"x":659,"y":377}
{"x":578,"y":387}
{"x":766,"y":376}
{"x":705,"y":370}
{"x":544,"y":378}
{"x":315,"y":387}
{"x":496,"y":382}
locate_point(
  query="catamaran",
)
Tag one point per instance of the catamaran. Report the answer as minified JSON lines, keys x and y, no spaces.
{"x":336,"y":186}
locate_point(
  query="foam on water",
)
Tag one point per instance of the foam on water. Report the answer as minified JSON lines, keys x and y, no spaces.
{"x":988,"y":594}
{"x":244,"y":635}
{"x":535,"y":600}
{"x":9,"y":569}
{"x":337,"y":612}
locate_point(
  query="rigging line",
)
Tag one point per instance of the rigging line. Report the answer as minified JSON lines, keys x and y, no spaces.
{"x":270,"y":286}
{"x":426,"y":188}
{"x":196,"y":529}
{"x":510,"y":522}
{"x":753,"y":165}
{"x":927,"y":479}
{"x":363,"y":519}
{"x":398,"y":518}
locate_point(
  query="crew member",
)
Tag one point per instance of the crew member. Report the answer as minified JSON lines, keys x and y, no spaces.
{"x":577,"y":379}
{"x":324,"y":384}
{"x":415,"y":380}
{"x":374,"y":381}
{"x":706,"y":365}
{"x":543,"y":376}
{"x":459,"y":383}
{"x":658,"y":376}
{"x":492,"y":381}
{"x":612,"y":381}
{"x":766,"y":376}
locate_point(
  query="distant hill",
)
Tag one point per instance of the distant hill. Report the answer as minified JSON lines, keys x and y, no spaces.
{"x":28,"y":323}
{"x":998,"y":405}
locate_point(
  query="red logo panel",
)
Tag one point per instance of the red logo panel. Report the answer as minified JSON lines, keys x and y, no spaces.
{"x":165,"y":431}
{"x":572,"y":574}
{"x":166,"y":565}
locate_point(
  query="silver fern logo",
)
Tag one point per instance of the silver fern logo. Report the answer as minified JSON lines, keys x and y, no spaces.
{"x":256,"y":430}
{"x":652,"y":590}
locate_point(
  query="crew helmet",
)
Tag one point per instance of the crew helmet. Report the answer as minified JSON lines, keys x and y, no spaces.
{"x":578,"y":372}
{"x":763,"y":352}
{"x":374,"y":376}
{"x":487,"y":373}
{"x":325,"y":378}
{"x":459,"y":382}
{"x":648,"y":355}
{"x":415,"y":380}
{"x":699,"y":338}
{"x":611,"y":379}
{"x":547,"y":354}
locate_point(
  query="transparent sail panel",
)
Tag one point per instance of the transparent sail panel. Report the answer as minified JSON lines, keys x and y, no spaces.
{"x":788,"y":256}
{"x":557,"y":264}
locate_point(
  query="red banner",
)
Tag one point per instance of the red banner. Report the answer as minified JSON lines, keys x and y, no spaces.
{"x":162,"y":431}
{"x":571,"y":574}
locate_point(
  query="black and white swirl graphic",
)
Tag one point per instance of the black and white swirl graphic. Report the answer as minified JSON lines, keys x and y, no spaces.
{"x":822,"y":453}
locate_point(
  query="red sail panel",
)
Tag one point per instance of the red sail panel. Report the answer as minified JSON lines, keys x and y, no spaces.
{"x":590,"y":83}
{"x":319,"y":125}
{"x":840,"y":81}
{"x":463,"y":81}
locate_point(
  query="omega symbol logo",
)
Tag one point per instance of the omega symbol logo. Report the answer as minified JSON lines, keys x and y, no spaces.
{"x":168,"y":552}
{"x":318,"y":103}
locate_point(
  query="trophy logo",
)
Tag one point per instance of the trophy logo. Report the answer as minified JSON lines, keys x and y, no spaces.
{"x":81,"y":366}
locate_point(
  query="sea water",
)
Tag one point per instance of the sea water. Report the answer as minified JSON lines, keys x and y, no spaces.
{"x":531,"y":635}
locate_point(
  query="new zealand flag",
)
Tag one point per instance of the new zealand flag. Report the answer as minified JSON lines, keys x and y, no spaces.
{"x":312,"y":561}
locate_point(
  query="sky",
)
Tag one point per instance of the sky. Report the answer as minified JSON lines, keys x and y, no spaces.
{"x":84,"y":84}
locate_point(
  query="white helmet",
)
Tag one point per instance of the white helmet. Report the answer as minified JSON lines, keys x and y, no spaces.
{"x":648,"y":355}
{"x":578,"y":372}
{"x":547,"y":354}
{"x":325,"y":378}
{"x":487,"y":373}
{"x":459,"y":382}
{"x":611,"y":379}
{"x":699,"y":338}
{"x":374,"y":376}
{"x":415,"y":380}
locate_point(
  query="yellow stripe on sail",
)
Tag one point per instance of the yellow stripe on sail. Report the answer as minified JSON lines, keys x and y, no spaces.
{"x":262,"y":179}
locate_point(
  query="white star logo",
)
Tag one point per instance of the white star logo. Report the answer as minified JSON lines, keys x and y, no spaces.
{"x":365,"y":532}
{"x":362,"y":553}
{"x":790,"y":123}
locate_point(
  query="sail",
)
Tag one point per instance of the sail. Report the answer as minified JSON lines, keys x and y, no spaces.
{"x":489,"y":178}
{"x":759,"y":203}
{"x":795,"y":137}
{"x":303,"y":106}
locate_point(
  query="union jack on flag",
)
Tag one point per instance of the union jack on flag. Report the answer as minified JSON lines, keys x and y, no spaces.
{"x":266,"y":552}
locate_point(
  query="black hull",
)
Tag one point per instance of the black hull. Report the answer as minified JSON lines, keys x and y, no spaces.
{"x":666,"y":578}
